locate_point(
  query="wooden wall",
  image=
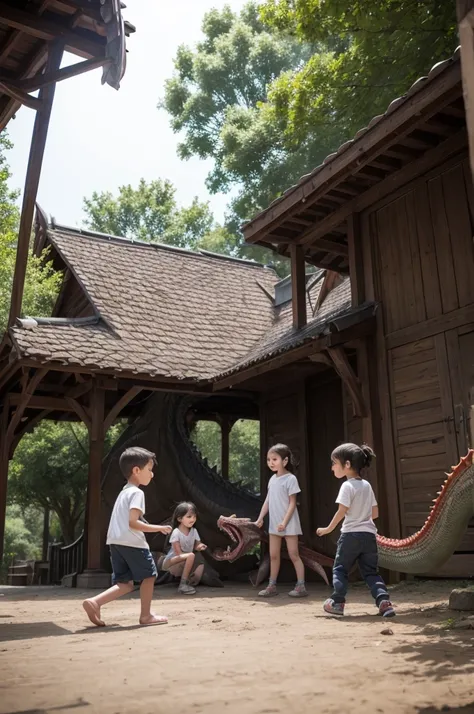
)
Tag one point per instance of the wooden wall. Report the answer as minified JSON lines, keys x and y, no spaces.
{"x":423,"y":265}
{"x":309,"y":418}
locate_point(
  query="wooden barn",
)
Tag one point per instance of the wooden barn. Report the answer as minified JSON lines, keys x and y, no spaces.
{"x":374,"y":346}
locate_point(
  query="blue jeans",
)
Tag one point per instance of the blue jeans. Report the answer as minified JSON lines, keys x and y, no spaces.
{"x":361,"y":548}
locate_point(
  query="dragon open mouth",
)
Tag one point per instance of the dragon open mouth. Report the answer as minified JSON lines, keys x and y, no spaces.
{"x":231,"y":553}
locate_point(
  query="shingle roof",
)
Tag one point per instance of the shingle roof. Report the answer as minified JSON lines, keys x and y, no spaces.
{"x":163,"y":311}
{"x":168,"y":312}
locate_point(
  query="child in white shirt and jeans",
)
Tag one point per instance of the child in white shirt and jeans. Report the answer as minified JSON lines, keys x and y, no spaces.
{"x":357,"y":542}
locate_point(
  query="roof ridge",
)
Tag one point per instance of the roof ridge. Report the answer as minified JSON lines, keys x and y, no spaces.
{"x":87,"y":233}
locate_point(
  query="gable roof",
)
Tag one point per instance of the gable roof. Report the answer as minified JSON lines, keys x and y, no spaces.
{"x":160,"y":310}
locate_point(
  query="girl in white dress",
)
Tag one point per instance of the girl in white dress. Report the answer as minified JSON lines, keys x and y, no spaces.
{"x":280,"y":503}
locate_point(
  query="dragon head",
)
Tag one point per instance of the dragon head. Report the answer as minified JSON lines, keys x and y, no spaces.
{"x":242,"y":532}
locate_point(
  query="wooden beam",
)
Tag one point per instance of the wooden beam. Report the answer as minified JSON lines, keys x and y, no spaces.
{"x":317,"y":344}
{"x":433,"y":326}
{"x":330,"y":281}
{"x":121,"y":404}
{"x":32,"y":66}
{"x":430,"y":158}
{"x":13,"y":91}
{"x":356,"y":262}
{"x":7,"y":373}
{"x":427,"y":101}
{"x":80,"y":411}
{"x":29,"y":426}
{"x":346,"y":373}
{"x":27,"y":392}
{"x":44,"y":80}
{"x":50,"y":30}
{"x":35,"y":162}
{"x":79,"y":389}
{"x":42,"y":402}
{"x":226,"y":425}
{"x":465,"y":15}
{"x":298,"y":286}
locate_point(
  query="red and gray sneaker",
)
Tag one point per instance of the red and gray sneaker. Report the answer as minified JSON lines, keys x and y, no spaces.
{"x":386,"y":609}
{"x":333,"y":608}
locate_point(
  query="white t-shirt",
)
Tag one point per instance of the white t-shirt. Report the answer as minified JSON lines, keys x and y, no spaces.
{"x":186,"y":542}
{"x":280,"y":488}
{"x":119,"y":532}
{"x":358,"y":496}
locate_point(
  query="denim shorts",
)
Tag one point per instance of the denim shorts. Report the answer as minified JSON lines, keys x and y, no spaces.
{"x":129,"y":563}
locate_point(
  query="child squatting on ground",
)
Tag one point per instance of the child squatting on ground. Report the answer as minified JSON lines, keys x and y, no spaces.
{"x":129,"y":551}
{"x":357,"y":542}
{"x":280,"y":503}
{"x":181,"y":559}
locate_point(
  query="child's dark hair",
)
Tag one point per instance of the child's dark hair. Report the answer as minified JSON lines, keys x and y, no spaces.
{"x":181,"y":510}
{"x":135,"y":456}
{"x":285,"y":452}
{"x":359,"y":457}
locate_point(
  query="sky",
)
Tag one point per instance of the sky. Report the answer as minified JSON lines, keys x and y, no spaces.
{"x":100,"y":138}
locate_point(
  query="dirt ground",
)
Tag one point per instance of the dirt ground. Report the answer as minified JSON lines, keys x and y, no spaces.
{"x":226,"y":651}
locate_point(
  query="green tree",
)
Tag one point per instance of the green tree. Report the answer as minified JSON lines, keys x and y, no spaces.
{"x":22,"y":534}
{"x":150,"y":213}
{"x":213,"y":99}
{"x":49,"y":470}
{"x":269,"y":93}
{"x":244,"y":450}
{"x":369,"y":53}
{"x":42,"y":283}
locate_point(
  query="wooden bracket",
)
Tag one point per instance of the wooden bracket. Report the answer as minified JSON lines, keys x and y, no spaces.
{"x":81,"y":412}
{"x":28,"y":390}
{"x":121,"y":404}
{"x":346,"y":373}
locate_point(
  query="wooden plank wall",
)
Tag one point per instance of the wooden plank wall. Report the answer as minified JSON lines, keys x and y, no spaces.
{"x":310,"y":419}
{"x":424,"y":264}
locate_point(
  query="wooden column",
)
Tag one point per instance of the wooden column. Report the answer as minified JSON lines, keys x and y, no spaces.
{"x":35,"y":162}
{"x":298,"y":285}
{"x":465,"y":17}
{"x":4,"y":458}
{"x":226,"y":426}
{"x":96,"y":452}
{"x":45,"y":544}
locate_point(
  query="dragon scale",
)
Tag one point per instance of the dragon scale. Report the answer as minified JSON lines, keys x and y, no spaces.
{"x":431,"y":546}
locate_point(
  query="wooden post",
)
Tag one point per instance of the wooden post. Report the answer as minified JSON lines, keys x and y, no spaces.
{"x":226,"y":427}
{"x":465,"y":17}
{"x":93,"y":575}
{"x":35,"y":162}
{"x":298,"y":285}
{"x":44,"y":551}
{"x":3,"y":472}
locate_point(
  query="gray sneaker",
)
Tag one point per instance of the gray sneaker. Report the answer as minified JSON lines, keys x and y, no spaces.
{"x":298,"y":591}
{"x":186,"y":589}
{"x":269,"y":591}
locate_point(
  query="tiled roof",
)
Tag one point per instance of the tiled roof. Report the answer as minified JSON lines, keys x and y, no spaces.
{"x":168,"y":312}
{"x":163,"y":311}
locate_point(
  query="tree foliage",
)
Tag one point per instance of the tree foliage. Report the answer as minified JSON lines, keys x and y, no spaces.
{"x":244,"y":450}
{"x":42,"y":283}
{"x":270,"y":92}
{"x":49,"y":470}
{"x":150,"y":213}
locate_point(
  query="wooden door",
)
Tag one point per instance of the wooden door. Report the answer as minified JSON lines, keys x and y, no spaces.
{"x":460,"y":344}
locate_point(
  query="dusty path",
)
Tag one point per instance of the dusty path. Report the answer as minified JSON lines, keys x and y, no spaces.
{"x":226,"y":651}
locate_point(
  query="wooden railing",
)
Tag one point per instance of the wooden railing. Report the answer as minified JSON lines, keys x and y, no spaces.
{"x":66,"y":559}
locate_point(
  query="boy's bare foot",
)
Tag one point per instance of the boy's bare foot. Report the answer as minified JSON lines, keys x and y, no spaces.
{"x":154,"y":620}
{"x":93,"y":612}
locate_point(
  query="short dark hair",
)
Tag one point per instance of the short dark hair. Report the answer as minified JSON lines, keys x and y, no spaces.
{"x":181,"y":510}
{"x":285,"y":452}
{"x":359,"y":457}
{"x":135,"y":456}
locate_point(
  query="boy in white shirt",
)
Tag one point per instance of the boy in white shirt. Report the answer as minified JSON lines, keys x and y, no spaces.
{"x":129,"y":551}
{"x":357,"y":542}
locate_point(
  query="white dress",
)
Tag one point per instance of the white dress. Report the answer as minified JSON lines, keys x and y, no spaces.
{"x":280,"y":488}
